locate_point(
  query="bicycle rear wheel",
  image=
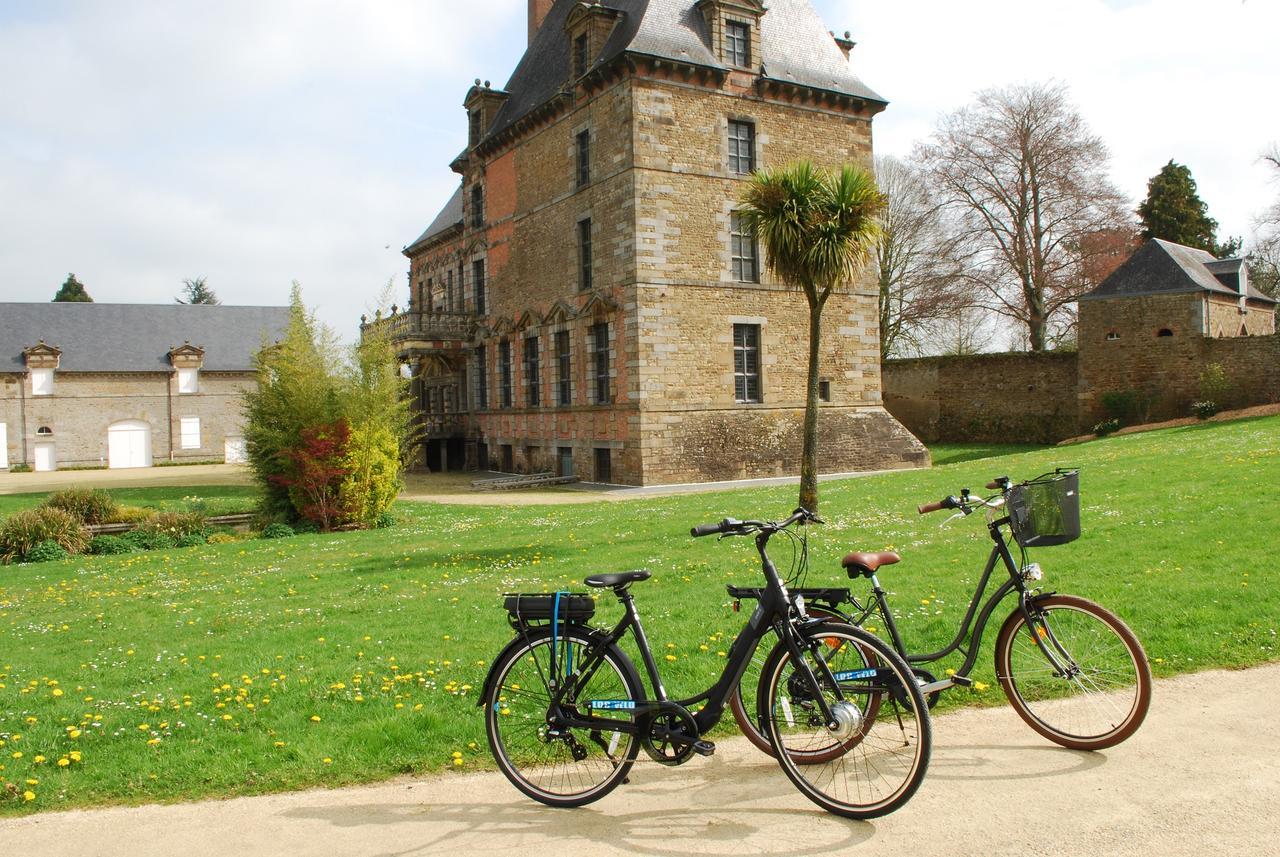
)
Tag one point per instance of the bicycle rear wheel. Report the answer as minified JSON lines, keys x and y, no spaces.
{"x":1103,"y":696}
{"x":876,"y":759}
{"x":555,"y":764}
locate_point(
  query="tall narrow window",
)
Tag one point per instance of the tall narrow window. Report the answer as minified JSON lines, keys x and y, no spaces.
{"x":584,"y":159}
{"x":531,"y":372}
{"x":429,"y":296}
{"x":448,"y":292}
{"x":564,"y":376}
{"x":742,"y":147}
{"x":473,"y":135}
{"x":580,"y":56}
{"x":482,"y":379}
{"x":746,"y":362}
{"x":188,"y":381}
{"x":600,"y":360}
{"x":737,"y":44}
{"x":477,"y":282}
{"x":742,"y":250}
{"x":477,"y":206}
{"x":584,"y":254}
{"x":504,"y":371}
{"x":190,"y":432}
{"x":42,"y":382}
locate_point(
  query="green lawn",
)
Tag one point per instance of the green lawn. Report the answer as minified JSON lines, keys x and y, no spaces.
{"x":270,"y":665}
{"x":955,"y":453}
{"x":210,"y":499}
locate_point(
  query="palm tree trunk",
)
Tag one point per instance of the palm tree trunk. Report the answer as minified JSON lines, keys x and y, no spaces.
{"x":809,"y":454}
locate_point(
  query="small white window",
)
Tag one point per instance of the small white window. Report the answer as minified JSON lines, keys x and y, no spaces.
{"x":188,"y":380}
{"x":42,"y":382}
{"x":190,"y":432}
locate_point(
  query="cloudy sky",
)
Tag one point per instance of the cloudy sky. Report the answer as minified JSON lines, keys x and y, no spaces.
{"x":256,"y":143}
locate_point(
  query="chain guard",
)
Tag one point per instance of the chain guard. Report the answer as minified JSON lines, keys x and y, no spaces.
{"x":670,"y":736}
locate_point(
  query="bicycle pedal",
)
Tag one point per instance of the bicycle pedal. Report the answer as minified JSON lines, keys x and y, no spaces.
{"x":704,"y":748}
{"x":962,"y":680}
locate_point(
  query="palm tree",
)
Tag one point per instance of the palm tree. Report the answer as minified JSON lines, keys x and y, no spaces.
{"x":818,"y":228}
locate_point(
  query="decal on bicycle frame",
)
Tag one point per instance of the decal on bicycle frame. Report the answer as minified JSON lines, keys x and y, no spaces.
{"x":612,"y":704}
{"x":854,"y":675}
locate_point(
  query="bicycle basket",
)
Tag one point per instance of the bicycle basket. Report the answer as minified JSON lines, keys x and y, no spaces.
{"x":534,"y":608}
{"x":1046,"y":511}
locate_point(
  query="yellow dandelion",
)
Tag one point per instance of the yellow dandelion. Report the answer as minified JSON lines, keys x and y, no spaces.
{"x":74,"y":733}
{"x":75,"y":755}
{"x":28,"y":795}
{"x":63,"y":762}
{"x":327,"y":760}
{"x":315,"y":718}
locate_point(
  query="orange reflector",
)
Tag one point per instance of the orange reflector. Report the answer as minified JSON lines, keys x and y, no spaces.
{"x":832,"y":642}
{"x":737,"y":606}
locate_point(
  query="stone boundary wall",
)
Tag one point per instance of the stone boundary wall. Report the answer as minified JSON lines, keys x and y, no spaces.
{"x":990,"y":398}
{"x":1038,"y":398}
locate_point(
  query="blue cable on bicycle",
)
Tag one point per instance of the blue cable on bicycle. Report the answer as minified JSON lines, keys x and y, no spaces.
{"x":555,"y":619}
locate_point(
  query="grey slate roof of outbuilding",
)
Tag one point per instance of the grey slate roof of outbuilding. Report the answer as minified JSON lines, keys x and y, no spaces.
{"x":1162,"y":267}
{"x":96,"y":337}
{"x":795,"y":46}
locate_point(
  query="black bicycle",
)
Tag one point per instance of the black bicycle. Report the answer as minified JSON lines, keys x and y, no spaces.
{"x":1073,"y":670}
{"x":566,"y":712}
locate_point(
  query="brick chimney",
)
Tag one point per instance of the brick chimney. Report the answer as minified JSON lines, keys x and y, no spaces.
{"x":538,"y":10}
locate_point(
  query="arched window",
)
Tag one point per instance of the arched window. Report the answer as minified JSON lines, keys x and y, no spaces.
{"x":1164,"y":331}
{"x":44,"y":431}
{"x":1112,"y":336}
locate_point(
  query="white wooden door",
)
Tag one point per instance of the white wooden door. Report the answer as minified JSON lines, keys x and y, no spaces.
{"x":129,"y":444}
{"x":45,"y":458}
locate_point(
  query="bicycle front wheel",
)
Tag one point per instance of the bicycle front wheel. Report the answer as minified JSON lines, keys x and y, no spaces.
{"x":548,"y":761}
{"x":1097,"y":695}
{"x":876,"y":757}
{"x":743,"y":703}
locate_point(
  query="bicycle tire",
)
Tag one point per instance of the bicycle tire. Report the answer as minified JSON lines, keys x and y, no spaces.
{"x":577,"y":766}
{"x":1098,"y":707}
{"x":885,"y":752}
{"x":742,"y":703}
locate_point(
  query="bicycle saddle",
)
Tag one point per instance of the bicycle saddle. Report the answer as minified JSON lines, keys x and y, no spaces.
{"x":621,"y":578}
{"x":867,"y":563}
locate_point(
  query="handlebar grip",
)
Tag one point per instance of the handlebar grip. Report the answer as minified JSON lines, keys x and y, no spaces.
{"x":926,"y":508}
{"x":707,"y":530}
{"x":994,"y":485}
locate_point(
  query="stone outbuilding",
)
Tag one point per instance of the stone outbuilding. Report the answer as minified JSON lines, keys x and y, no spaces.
{"x":126,"y":385}
{"x":588,"y":300}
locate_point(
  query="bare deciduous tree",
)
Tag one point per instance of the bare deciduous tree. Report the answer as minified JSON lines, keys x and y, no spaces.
{"x":1264,"y":257}
{"x":1027,"y":180}
{"x":916,"y":262}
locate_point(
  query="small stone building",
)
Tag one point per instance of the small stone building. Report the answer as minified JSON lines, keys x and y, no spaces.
{"x":589,"y":302}
{"x":126,"y":385}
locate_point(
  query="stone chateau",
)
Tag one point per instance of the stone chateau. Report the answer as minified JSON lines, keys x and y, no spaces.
{"x":588,"y":302}
{"x":126,"y":385}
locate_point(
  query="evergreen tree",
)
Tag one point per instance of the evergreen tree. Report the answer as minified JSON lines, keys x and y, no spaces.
{"x":197,"y":292}
{"x":1173,"y":210}
{"x":72,"y":291}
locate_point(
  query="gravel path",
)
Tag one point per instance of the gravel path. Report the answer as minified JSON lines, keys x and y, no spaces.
{"x":1200,"y":777}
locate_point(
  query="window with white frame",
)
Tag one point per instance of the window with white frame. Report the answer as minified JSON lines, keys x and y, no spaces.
{"x":42,"y":382}
{"x":190,"y":432}
{"x":746,"y":362}
{"x":188,"y":380}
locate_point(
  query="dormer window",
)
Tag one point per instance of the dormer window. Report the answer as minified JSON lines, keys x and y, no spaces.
{"x":188,"y":381}
{"x":473,"y":127}
{"x":580,"y":55}
{"x":42,"y":382}
{"x":737,"y":44}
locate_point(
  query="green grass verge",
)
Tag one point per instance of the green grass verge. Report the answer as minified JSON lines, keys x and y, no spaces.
{"x":324,"y":660}
{"x":209,"y":499}
{"x":956,"y":453}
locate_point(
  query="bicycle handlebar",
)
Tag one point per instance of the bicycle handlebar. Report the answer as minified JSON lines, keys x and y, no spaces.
{"x":926,"y":508}
{"x":732,"y":527}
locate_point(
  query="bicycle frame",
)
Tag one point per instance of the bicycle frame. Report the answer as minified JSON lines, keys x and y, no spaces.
{"x":965,"y":642}
{"x":772,"y":612}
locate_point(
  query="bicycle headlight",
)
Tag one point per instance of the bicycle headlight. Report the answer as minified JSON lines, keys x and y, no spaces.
{"x":1031,"y":571}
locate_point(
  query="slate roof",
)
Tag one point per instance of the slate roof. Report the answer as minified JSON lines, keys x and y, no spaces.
{"x":795,"y":45}
{"x":1162,"y":267}
{"x":796,"y":48}
{"x":450,"y":215}
{"x":96,"y":337}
